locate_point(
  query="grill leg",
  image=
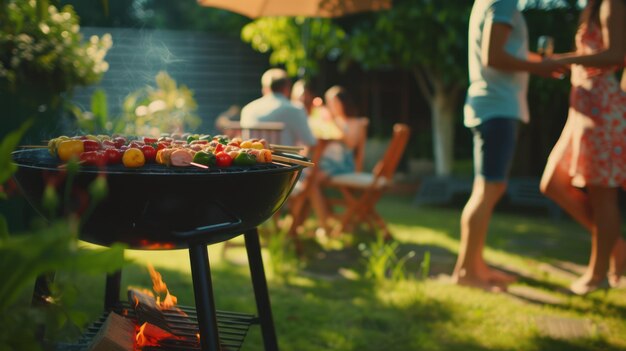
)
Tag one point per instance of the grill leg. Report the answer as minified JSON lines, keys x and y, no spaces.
{"x":259,"y":283}
{"x":112,"y":290}
{"x":203,"y":292}
{"x":41,"y":293}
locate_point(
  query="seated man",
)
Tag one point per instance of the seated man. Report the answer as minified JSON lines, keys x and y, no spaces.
{"x":274,"y":106}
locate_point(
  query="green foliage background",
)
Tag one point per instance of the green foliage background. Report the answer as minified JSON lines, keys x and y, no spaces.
{"x":42,"y":58}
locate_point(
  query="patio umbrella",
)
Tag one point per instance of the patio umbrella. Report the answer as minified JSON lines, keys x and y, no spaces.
{"x":307,"y":8}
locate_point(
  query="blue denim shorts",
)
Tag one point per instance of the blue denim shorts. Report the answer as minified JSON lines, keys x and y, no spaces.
{"x":494,"y":148}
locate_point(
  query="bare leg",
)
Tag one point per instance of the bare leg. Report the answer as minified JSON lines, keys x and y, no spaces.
{"x":604,"y":234}
{"x":556,"y":185}
{"x":470,"y":267}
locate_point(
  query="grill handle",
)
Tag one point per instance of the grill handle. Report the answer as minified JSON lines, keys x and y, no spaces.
{"x":209,"y":229}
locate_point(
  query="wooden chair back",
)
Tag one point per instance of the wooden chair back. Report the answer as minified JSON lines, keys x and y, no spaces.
{"x":359,"y":150}
{"x":270,"y":131}
{"x":361,"y":191}
{"x":386,"y":167}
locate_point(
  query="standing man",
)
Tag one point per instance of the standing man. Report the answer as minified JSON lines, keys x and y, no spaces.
{"x":274,"y":106}
{"x":499,"y":66}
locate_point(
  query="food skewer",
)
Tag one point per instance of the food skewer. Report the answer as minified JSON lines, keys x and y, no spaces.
{"x":292,"y":160}
{"x":180,"y":153}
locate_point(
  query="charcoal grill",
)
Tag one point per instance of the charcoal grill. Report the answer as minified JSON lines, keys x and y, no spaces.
{"x":158,"y":207}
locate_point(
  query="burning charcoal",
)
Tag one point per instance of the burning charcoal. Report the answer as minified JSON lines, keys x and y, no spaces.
{"x":117,"y":334}
{"x":147,"y":310}
{"x":151,"y":335}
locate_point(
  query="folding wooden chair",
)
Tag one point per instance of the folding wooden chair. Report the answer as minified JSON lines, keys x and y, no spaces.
{"x":232,"y":129}
{"x":270,"y":131}
{"x":361,"y":190}
{"x":299,"y":203}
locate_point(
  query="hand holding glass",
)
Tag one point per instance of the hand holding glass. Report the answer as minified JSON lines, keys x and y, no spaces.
{"x":545,"y":46}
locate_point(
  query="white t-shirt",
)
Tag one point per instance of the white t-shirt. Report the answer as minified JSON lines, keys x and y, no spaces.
{"x":276,"y":107}
{"x":492,"y":92}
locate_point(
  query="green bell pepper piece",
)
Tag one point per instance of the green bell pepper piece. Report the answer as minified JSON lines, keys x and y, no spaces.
{"x":244,"y":159}
{"x":204,"y":158}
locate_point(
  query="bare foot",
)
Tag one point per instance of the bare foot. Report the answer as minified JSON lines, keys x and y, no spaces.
{"x":585,"y":285}
{"x":618,"y":262}
{"x":477,"y":281}
{"x":497,"y":276}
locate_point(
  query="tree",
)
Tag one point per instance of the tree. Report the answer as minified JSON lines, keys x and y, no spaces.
{"x":297,"y":42}
{"x":428,"y":39}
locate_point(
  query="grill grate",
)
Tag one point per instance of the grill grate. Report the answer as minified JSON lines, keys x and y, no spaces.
{"x":233,"y":327}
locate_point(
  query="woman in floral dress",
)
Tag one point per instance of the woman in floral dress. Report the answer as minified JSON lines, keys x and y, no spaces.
{"x":591,"y":152}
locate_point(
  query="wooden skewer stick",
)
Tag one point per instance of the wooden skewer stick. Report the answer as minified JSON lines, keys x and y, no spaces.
{"x":199,"y":165}
{"x":280,"y":164}
{"x":64,"y":166}
{"x":286,"y":147}
{"x":292,"y":160}
{"x":33,"y":146}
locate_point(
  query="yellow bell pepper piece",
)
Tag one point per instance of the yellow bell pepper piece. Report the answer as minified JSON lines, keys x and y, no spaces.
{"x":70,"y":148}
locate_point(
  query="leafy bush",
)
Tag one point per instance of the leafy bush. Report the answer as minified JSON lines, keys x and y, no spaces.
{"x":41,"y":48}
{"x":42,"y":56}
{"x":165,"y":108}
{"x":47,"y":249}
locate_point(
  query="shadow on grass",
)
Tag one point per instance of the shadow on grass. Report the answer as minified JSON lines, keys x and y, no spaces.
{"x":545,"y":343}
{"x":529,"y":234}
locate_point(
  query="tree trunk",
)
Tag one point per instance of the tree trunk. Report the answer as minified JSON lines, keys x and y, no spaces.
{"x":443,"y":100}
{"x":442,"y":119}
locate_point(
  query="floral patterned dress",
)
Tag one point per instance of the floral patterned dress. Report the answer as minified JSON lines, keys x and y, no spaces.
{"x":594,"y":137}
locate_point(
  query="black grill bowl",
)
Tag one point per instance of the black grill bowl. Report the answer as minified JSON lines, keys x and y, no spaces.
{"x":156,"y":207}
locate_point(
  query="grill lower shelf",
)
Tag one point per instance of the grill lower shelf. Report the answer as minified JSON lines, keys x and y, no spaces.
{"x":232,"y":326}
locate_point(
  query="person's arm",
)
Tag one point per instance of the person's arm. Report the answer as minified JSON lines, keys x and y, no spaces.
{"x":612,"y":16}
{"x":494,"y":54}
{"x":624,"y":79}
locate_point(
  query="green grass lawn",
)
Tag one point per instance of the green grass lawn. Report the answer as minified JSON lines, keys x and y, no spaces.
{"x":320,"y":302}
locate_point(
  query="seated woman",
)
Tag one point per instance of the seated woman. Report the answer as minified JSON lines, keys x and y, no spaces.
{"x":343,"y":133}
{"x":302,"y":95}
{"x":338,"y":156}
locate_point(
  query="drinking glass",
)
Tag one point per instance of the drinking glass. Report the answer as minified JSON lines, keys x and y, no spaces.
{"x":545,"y":45}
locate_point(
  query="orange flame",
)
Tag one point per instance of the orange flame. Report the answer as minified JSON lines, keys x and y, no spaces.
{"x":150,"y":335}
{"x":169,"y":301}
{"x":140,"y":337}
{"x":159,"y":287}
